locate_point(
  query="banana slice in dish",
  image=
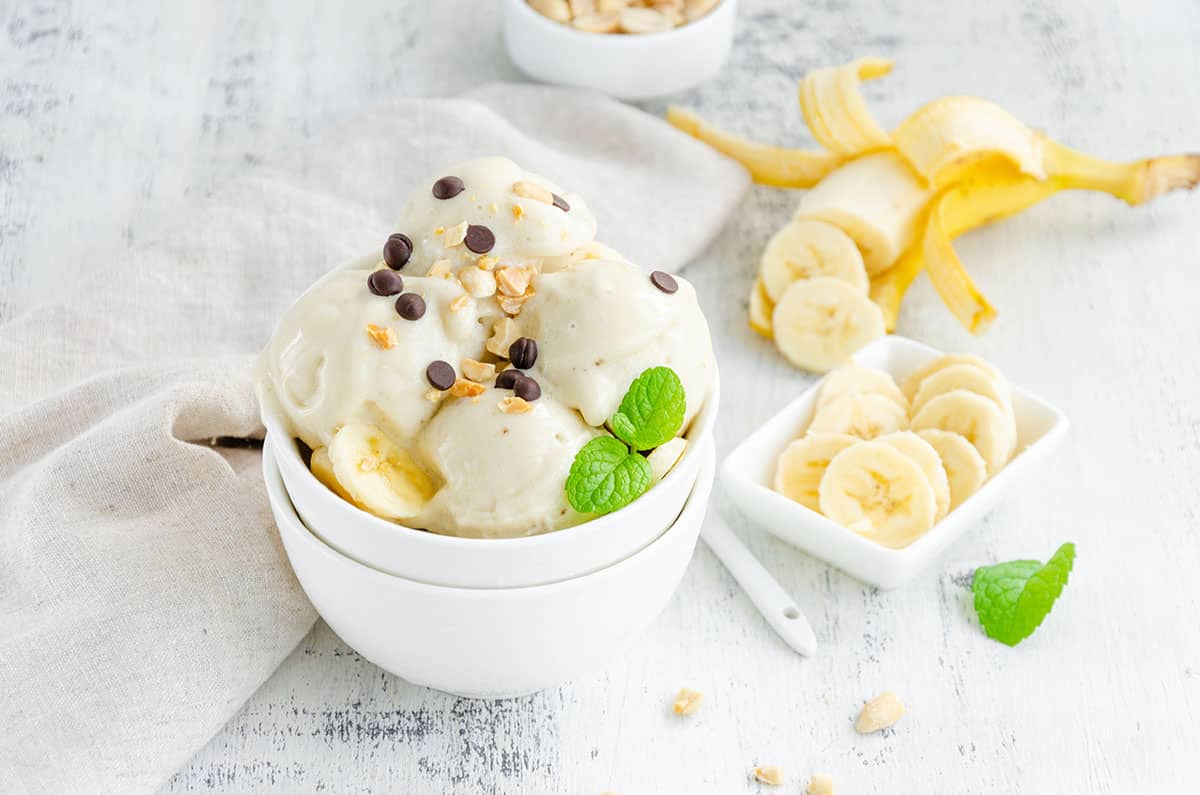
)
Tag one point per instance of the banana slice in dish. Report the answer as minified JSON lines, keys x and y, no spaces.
{"x":965,"y":468}
{"x":802,"y":464}
{"x":854,"y":379}
{"x":880,"y":493}
{"x":863,"y":416}
{"x":926,"y":457}
{"x":963,"y":376}
{"x":974,"y":417}
{"x":912,"y":384}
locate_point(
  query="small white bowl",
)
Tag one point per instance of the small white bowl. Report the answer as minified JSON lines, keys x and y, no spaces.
{"x":748,"y":473}
{"x":640,"y":66}
{"x":490,"y":643}
{"x":490,"y":562}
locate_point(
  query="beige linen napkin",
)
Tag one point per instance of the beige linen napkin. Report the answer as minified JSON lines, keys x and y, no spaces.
{"x":143,"y":592}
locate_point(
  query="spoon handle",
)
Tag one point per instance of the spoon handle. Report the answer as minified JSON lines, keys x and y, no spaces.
{"x":767,"y":595}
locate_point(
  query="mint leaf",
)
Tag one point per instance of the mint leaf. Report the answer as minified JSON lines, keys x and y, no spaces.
{"x":651,"y":412}
{"x":1011,"y":599}
{"x":606,"y":476}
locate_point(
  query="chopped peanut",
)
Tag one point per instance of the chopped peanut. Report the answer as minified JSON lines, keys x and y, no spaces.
{"x":383,"y":336}
{"x":478,"y":372}
{"x":772,"y":774}
{"x":687,"y":701}
{"x":879,"y":713}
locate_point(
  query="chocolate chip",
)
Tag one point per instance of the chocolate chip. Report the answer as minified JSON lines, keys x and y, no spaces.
{"x":561,"y":203}
{"x":397,"y":250}
{"x":383,"y":282}
{"x":664,"y":281}
{"x":440,"y":374}
{"x":410,"y":306}
{"x":447,"y":188}
{"x":523,"y":353}
{"x":479,"y":239}
{"x":508,"y":378}
{"x":527,"y":389}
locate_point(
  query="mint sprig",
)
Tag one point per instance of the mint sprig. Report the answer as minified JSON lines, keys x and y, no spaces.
{"x":1012,"y":599}
{"x":608,"y":473}
{"x":651,"y":413}
{"x":605,"y":476}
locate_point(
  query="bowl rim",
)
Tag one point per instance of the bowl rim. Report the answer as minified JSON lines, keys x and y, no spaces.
{"x":945,"y":530}
{"x":700,"y":429}
{"x":280,"y":500}
{"x":619,"y":41}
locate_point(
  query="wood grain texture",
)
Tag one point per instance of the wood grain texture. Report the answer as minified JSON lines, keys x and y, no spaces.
{"x":112,"y":113}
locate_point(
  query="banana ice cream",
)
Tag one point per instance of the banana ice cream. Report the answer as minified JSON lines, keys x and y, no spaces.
{"x":449,"y":383}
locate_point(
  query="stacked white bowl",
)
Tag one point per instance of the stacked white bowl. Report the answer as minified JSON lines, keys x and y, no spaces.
{"x":489,"y":618}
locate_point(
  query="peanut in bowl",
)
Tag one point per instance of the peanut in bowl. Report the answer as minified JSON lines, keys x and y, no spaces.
{"x":659,"y":61}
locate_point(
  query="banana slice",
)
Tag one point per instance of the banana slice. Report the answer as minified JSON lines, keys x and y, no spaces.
{"x":974,"y":417}
{"x":802,"y":464}
{"x":965,"y":468}
{"x":761,"y":309}
{"x":322,"y":469}
{"x":864,"y":416}
{"x":834,"y":109}
{"x":912,"y":384}
{"x":878,"y":492}
{"x":948,"y":136}
{"x":664,"y":457}
{"x":380,"y":476}
{"x":820,"y":323}
{"x":854,"y":379}
{"x":927,"y":458}
{"x":806,"y":248}
{"x":877,"y":200}
{"x":963,"y":376}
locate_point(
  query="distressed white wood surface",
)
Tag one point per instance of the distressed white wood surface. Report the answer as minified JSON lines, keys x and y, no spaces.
{"x":109,"y":111}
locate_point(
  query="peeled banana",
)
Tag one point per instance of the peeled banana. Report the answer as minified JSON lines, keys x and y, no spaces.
{"x":954,"y":164}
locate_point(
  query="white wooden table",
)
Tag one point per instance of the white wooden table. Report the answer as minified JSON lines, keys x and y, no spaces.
{"x":109,"y":110}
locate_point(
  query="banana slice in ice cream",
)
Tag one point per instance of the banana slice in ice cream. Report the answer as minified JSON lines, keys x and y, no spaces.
{"x":377,"y":473}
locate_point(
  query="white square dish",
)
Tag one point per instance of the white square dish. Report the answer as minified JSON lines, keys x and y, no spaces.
{"x":748,"y":471}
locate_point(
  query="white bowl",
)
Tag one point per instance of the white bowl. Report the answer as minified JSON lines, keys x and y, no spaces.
{"x":623,"y":66}
{"x":490,"y":643}
{"x":490,"y":562}
{"x":748,"y":472}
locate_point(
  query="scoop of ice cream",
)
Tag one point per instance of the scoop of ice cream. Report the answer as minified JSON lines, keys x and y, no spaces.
{"x":491,"y":206}
{"x":504,"y":473}
{"x":343,"y":354}
{"x":600,"y":324}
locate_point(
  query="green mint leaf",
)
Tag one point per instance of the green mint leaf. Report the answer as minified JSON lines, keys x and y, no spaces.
{"x":1012,"y":598}
{"x":606,"y":476}
{"x":651,"y":413}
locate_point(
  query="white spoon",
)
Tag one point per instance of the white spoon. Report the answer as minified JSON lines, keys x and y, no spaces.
{"x":767,"y":595}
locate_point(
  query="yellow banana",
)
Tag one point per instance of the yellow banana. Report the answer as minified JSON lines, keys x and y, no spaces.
{"x":768,"y":165}
{"x":834,"y":109}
